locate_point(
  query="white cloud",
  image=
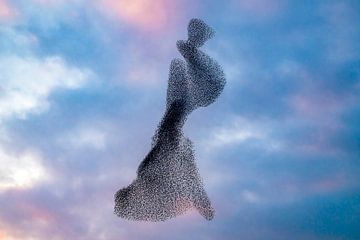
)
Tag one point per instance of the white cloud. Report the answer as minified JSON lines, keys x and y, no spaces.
{"x":85,"y":136}
{"x":250,"y":196}
{"x":240,"y":130}
{"x":20,"y":170}
{"x":234,"y":135}
{"x":26,"y":83}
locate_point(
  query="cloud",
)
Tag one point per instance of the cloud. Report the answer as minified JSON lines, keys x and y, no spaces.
{"x":50,"y":2}
{"x":20,"y":170}
{"x":7,"y":12}
{"x":237,"y":130}
{"x":144,"y":74}
{"x":16,"y":42}
{"x":250,"y":196}
{"x":27,"y":82}
{"x":85,"y":136}
{"x":142,"y":14}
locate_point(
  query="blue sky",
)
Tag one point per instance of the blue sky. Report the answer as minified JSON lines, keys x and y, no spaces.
{"x":83,"y":85}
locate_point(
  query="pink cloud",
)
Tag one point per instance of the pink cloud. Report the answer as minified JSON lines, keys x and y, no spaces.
{"x":322,"y":109}
{"x":9,"y":232}
{"x":49,"y":2}
{"x":144,"y":75}
{"x":37,"y":213}
{"x":6,"y":11}
{"x":322,"y":112}
{"x":3,"y":235}
{"x":330,"y":184}
{"x":143,"y":14}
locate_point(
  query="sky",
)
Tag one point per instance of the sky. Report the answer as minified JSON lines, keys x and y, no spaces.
{"x":83,"y":87}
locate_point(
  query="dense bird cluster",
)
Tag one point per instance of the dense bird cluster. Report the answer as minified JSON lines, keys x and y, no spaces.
{"x":168,"y":182}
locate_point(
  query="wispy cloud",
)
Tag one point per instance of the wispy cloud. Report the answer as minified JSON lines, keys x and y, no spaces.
{"x":239,"y":130}
{"x":26,"y":83}
{"x":7,"y":12}
{"x":144,"y":15}
{"x":21,"y":170}
{"x":85,"y":136}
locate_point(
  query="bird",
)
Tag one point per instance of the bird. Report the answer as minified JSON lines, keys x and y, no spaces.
{"x":168,"y":181}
